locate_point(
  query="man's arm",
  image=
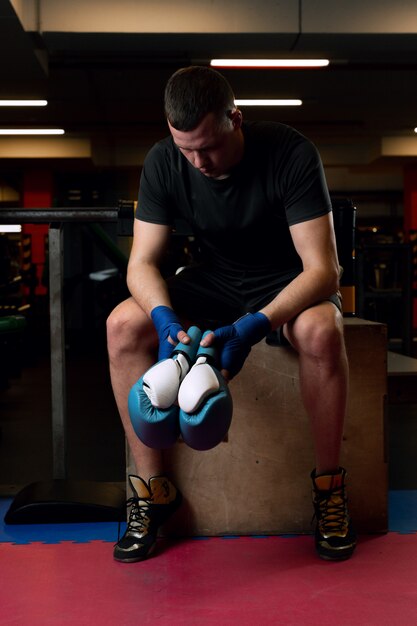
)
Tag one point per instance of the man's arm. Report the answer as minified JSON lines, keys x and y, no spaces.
{"x":315,"y":243}
{"x":144,"y":278}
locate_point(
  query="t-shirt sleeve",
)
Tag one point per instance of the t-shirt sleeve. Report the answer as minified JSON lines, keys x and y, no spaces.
{"x":305,"y":191}
{"x":154,"y":199}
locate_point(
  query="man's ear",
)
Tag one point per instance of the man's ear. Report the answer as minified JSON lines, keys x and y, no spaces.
{"x":236,"y":116}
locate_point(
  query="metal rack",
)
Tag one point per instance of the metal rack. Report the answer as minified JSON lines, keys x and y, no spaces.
{"x":61,"y":499}
{"x":384,"y":277}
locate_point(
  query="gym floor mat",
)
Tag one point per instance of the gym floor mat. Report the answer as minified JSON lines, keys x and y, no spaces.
{"x":241,"y":582}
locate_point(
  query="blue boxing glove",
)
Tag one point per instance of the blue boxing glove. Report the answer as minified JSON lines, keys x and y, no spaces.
{"x":206,"y":406}
{"x":152,"y":400}
{"x":167,"y":326}
{"x":238,"y":338}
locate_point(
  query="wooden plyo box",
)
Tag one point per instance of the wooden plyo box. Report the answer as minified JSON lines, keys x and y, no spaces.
{"x":258,"y":481}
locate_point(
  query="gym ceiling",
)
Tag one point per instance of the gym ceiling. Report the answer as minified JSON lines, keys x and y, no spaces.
{"x":102,"y":66}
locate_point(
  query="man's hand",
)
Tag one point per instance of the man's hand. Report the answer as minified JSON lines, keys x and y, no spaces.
{"x":236,"y":341}
{"x":169,"y":330}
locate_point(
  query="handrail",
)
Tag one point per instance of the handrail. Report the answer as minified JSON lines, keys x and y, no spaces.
{"x":9,"y":215}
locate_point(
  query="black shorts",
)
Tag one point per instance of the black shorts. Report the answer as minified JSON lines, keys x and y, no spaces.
{"x":211,"y":299}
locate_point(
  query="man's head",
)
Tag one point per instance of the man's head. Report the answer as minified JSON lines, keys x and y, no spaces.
{"x":193,"y":92}
{"x":204,"y":121}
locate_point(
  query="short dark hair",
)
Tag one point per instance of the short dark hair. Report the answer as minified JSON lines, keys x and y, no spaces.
{"x":193,"y":92}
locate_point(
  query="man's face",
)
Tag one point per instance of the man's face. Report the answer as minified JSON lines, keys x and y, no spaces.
{"x":211,"y":149}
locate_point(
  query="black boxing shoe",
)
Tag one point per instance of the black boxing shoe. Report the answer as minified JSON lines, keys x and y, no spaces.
{"x":151,"y":505}
{"x":334,"y":537}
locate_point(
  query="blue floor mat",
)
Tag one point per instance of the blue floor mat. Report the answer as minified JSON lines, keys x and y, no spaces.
{"x":402,"y":506}
{"x":402,"y":519}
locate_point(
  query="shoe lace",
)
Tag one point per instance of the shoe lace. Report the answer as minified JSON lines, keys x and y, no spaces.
{"x":138,"y":516}
{"x":330,"y":510}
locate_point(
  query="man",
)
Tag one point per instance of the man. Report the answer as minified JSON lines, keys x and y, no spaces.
{"x":256,"y":199}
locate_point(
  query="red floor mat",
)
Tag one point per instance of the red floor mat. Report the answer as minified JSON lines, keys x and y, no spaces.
{"x":242,"y":582}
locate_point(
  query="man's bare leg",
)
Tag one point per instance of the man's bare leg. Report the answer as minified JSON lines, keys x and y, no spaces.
{"x":317,"y":335}
{"x":132,"y":346}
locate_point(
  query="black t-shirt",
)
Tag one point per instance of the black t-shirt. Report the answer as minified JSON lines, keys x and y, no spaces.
{"x":241,"y":222}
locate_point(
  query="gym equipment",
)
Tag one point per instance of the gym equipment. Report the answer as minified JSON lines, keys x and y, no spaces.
{"x":12,"y":328}
{"x":152,"y":400}
{"x":206,"y":405}
{"x":61,"y":499}
{"x":344,"y":215}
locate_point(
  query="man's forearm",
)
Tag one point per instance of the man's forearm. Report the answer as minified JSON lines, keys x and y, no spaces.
{"x":308,"y":288}
{"x":147,"y":286}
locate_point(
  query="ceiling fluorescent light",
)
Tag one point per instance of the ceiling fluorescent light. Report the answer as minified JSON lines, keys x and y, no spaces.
{"x":32,"y":131}
{"x":284,"y":63}
{"x":10,"y":228}
{"x":23,"y":103}
{"x":268,"y":103}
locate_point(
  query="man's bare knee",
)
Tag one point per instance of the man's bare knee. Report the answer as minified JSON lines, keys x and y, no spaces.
{"x":129,"y":329}
{"x":318,"y":331}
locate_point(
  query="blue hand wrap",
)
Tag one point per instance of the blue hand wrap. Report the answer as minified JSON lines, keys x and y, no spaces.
{"x":167,"y":325}
{"x":238,"y":338}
